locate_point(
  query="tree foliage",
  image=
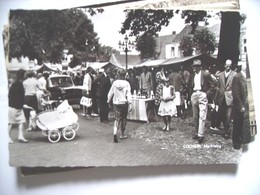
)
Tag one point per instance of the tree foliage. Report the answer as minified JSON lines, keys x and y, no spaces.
{"x":151,"y":21}
{"x":146,"y":45}
{"x":139,"y":21}
{"x":204,"y":41}
{"x":186,"y":45}
{"x":44,"y":34}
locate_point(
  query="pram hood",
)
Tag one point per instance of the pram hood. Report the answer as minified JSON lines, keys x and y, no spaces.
{"x":62,"y":117}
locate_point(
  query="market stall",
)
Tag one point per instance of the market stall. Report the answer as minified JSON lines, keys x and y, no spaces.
{"x":143,"y":109}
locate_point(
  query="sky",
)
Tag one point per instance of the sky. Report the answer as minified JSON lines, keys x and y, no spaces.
{"x":108,"y":24}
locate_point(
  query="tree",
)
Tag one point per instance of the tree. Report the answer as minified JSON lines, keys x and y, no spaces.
{"x":204,"y":41}
{"x":44,"y":34}
{"x":146,"y":45}
{"x":141,"y":20}
{"x":138,"y":21}
{"x":150,"y":21}
{"x":104,"y":53}
{"x":186,"y":45}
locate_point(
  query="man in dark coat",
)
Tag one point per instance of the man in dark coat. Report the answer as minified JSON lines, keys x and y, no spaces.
{"x":240,"y":108}
{"x":225,"y":98}
{"x":103,"y":87}
{"x":201,"y":85}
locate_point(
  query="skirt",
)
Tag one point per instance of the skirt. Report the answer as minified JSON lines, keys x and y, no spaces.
{"x":16,"y":116}
{"x":167,"y":109}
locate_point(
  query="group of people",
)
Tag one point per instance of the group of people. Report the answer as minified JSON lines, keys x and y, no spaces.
{"x":224,"y":92}
{"x":106,"y":90}
{"x":25,"y":94}
{"x":227,"y":92}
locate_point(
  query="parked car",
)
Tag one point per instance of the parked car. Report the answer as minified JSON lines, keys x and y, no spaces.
{"x":62,"y":87}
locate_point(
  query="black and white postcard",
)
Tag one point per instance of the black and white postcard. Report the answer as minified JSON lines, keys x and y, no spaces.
{"x":110,"y":86}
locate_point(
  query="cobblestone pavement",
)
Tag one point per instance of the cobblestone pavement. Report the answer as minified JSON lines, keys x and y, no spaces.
{"x":214,"y":149}
{"x":146,"y":145}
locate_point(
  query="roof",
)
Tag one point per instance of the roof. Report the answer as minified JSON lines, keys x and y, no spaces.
{"x":188,"y":28}
{"x":165,"y":39}
{"x":215,"y":29}
{"x":161,"y":41}
{"x":185,"y":31}
{"x":178,"y":60}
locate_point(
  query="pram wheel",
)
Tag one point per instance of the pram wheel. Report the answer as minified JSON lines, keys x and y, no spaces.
{"x":54,"y":136}
{"x":68,"y":133}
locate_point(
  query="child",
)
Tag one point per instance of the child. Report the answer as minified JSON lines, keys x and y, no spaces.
{"x":167,"y":108}
{"x":120,"y":92}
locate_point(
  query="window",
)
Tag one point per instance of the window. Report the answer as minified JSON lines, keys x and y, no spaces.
{"x":173,"y":52}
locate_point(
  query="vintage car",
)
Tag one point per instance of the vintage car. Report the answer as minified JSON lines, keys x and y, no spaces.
{"x":62,"y":88}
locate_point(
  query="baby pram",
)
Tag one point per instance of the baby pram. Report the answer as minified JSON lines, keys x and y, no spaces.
{"x":62,"y":122}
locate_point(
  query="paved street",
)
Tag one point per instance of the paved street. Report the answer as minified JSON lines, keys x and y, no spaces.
{"x":146,"y":145}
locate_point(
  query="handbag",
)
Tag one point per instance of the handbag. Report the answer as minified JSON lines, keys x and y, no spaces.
{"x":85,"y":101}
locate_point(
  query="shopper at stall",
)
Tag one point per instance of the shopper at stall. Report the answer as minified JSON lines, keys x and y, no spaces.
{"x":120,"y":92}
{"x":41,"y":89}
{"x":146,"y":82}
{"x":133,"y":81}
{"x":103,"y":85}
{"x":177,"y":82}
{"x":159,"y":81}
{"x":87,"y":92}
{"x":16,"y":102}
{"x":167,"y":108}
{"x":185,"y":92}
{"x":30,"y":87}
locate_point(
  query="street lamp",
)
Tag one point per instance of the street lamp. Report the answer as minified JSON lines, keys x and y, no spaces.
{"x":126,"y":46}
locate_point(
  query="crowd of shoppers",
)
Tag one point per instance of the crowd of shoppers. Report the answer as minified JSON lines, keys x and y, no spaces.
{"x":224,"y":94}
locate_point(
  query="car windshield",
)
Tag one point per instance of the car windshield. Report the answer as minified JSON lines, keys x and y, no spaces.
{"x":61,"y":81}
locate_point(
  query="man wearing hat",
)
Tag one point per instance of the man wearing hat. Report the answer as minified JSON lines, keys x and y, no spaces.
{"x":201,"y":84}
{"x":225,"y":98}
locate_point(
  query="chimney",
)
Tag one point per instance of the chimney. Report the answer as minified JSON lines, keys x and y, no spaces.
{"x":173,"y":32}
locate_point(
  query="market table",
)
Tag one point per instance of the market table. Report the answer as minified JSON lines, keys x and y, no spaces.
{"x":143,"y":109}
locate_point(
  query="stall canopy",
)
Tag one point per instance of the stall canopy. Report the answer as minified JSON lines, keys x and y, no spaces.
{"x":50,"y":67}
{"x":175,"y":63}
{"x":119,"y":60}
{"x":97,"y":65}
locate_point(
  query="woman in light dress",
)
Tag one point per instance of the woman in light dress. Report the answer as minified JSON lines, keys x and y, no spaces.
{"x":167,"y":108}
